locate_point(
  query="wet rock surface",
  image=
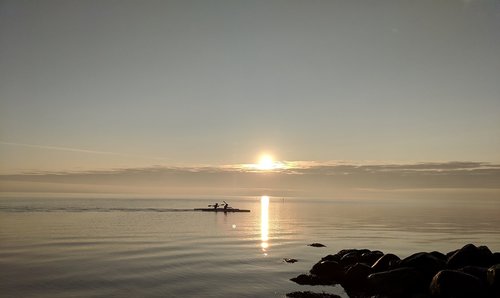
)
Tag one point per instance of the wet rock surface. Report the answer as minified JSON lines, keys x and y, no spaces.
{"x":470,"y":271}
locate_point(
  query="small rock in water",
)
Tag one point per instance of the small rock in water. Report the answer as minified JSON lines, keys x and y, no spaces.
{"x":308,"y":294}
{"x":312,"y":280}
{"x":315,"y":244}
{"x":290,"y":260}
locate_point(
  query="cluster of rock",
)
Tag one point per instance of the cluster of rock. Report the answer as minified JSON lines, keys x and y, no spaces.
{"x":470,"y":271}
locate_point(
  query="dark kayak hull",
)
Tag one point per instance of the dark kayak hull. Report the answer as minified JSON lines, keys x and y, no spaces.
{"x":221,"y":210}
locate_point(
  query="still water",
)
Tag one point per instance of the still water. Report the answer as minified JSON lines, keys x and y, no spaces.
{"x":56,"y":247}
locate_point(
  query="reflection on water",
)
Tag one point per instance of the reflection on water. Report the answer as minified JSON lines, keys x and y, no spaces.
{"x":264,"y":223}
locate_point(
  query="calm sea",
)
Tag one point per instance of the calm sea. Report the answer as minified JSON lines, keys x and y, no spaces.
{"x":56,"y":247}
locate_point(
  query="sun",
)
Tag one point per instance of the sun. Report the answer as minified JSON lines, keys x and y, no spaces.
{"x":266,"y":162}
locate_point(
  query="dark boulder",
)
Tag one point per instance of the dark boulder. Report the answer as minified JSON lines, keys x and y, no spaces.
{"x":449,"y":254}
{"x":439,"y":255}
{"x":456,"y":284}
{"x":328,"y":269}
{"x":344,"y":252}
{"x":493,"y":278}
{"x":350,"y":259}
{"x":335,"y":257}
{"x":470,"y":255}
{"x":356,"y":276}
{"x":401,"y":282}
{"x":424,"y":262}
{"x":496,"y":258}
{"x":479,"y":272}
{"x":385,"y":262}
{"x":369,"y":258}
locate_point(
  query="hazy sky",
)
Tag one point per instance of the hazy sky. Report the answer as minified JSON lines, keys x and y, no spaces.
{"x":124,"y":84}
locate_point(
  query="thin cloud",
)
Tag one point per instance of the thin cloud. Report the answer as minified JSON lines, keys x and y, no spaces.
{"x":79,"y":150}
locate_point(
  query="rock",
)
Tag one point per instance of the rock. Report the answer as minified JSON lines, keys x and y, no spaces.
{"x":369,"y":258}
{"x":401,"y":282}
{"x":287,"y":260}
{"x":346,"y":251}
{"x":305,"y":279}
{"x":308,"y":294}
{"x":357,"y":275}
{"x":487,"y":258}
{"x":456,"y":284}
{"x":316,"y":245}
{"x":496,"y":258}
{"x":439,"y":255}
{"x":449,"y":254}
{"x":385,"y":262}
{"x":350,"y":259}
{"x":467,"y":272}
{"x":479,"y":272}
{"x":334,"y":257}
{"x":470,"y":255}
{"x":493,"y":278}
{"x":424,"y":262}
{"x":328,"y":269}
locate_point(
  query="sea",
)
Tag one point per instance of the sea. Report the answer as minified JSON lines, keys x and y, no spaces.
{"x":160,"y":247}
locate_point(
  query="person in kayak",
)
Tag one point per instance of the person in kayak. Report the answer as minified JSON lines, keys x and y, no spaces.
{"x":216,"y":205}
{"x":225,"y":205}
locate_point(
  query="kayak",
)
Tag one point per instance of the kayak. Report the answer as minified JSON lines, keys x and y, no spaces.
{"x":222,"y":210}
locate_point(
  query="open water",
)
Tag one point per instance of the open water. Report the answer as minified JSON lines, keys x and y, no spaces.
{"x":95,"y":247}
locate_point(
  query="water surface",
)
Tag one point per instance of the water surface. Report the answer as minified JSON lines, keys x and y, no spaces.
{"x":57,"y":247}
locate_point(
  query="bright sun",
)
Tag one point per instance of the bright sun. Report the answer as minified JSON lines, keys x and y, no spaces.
{"x":266,"y":162}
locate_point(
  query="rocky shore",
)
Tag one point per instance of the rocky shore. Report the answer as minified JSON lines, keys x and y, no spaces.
{"x":469,"y":272}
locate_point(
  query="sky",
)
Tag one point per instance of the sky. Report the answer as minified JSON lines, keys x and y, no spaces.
{"x":107,"y":87}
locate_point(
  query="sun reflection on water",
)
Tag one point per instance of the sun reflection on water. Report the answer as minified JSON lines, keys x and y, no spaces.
{"x":264,"y":223}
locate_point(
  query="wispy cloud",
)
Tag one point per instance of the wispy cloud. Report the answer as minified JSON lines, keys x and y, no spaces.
{"x":80,"y":150}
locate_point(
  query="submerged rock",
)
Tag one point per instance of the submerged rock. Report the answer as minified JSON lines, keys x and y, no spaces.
{"x":291,"y":261}
{"x":308,"y":294}
{"x":315,"y":244}
{"x":312,"y":280}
